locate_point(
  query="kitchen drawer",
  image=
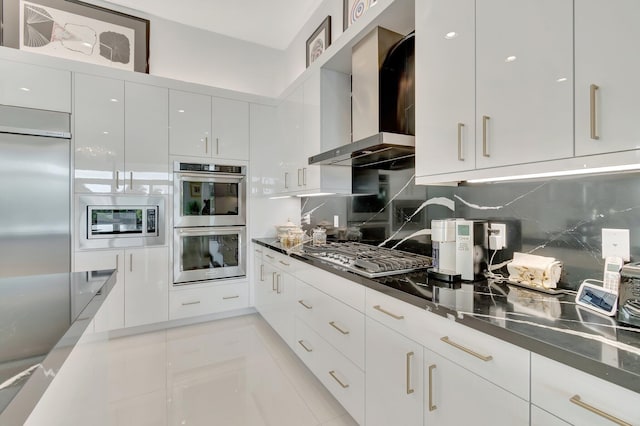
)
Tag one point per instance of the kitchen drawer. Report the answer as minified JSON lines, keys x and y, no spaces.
{"x":190,"y":302}
{"x":553,"y":385}
{"x":497,"y":361}
{"x":340,"y":288}
{"x":282,"y":261}
{"x":339,"y":324}
{"x":340,"y":376}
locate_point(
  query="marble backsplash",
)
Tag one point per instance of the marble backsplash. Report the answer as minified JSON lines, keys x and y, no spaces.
{"x":560,"y":218}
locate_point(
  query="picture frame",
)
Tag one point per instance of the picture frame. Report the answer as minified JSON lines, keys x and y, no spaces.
{"x":195,"y":189}
{"x":318,"y":42}
{"x":353,"y":10}
{"x":72,"y":29}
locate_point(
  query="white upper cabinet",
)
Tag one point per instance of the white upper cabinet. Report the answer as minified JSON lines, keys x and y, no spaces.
{"x":607,"y":68}
{"x":146,"y":139}
{"x":445,"y":87}
{"x":99,"y":134}
{"x":266,"y":175}
{"x":32,"y":86}
{"x":189,"y":124}
{"x":524,"y":87}
{"x":230,"y":135}
{"x":290,"y":150}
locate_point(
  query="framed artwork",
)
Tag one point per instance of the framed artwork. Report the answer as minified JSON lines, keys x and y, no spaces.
{"x":319,"y":41}
{"x":195,"y":189}
{"x":354,"y":9}
{"x":75,"y":30}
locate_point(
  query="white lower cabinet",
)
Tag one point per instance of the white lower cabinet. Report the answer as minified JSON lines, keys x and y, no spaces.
{"x":580,"y":398}
{"x":275,"y":298}
{"x":456,"y":396}
{"x":394,"y":374}
{"x":188,"y":302}
{"x":140,"y":294}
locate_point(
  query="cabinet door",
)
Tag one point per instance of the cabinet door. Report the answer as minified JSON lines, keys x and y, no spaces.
{"x":394,"y":377}
{"x":447,"y":385}
{"x":606,"y":33}
{"x":308,"y":176}
{"x":230,"y":137}
{"x":445,"y":86}
{"x":267,"y":177}
{"x":32,"y":86}
{"x":146,"y":139}
{"x":147,"y":291}
{"x":111,"y":314}
{"x":524,"y":91}
{"x":189,"y":124}
{"x":99,"y":134}
{"x":290,"y":120}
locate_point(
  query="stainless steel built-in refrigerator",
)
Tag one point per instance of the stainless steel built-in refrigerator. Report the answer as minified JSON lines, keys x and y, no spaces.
{"x":34,"y":192}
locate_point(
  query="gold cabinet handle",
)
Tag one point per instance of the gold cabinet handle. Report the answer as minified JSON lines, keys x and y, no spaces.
{"x":284,"y":263}
{"x":299,"y":180}
{"x":269,"y":256}
{"x":304,"y":176}
{"x":485,"y":144}
{"x":117,"y":262}
{"x":334,"y":325}
{"x":576,"y":400}
{"x":432,"y":406}
{"x":409,"y":389}
{"x":217,"y":146}
{"x":286,"y":175}
{"x":131,"y":180}
{"x":206,"y":144}
{"x":278,"y":284}
{"x":261,"y":272}
{"x":333,"y":374}
{"x":485,"y":358}
{"x":592,"y":111}
{"x":130,"y":262}
{"x":301,"y":342}
{"x":230,"y":297}
{"x":392,"y":315}
{"x":190,"y":303}
{"x":273,"y":281}
{"x":460,"y":154}
{"x":304,"y":304}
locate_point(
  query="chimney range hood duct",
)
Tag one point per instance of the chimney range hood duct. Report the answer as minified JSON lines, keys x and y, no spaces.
{"x":383,"y":99}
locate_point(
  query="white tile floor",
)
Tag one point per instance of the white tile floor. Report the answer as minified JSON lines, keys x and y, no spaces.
{"x":235,"y":371}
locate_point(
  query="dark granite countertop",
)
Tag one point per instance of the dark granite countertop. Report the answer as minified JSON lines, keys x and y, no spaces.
{"x":551,"y":325}
{"x":42,"y":318}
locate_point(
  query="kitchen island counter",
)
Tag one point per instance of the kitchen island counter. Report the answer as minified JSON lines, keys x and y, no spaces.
{"x":550,"y":325}
{"x":42,"y":319}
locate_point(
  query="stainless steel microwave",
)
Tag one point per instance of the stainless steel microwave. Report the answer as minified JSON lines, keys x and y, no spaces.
{"x":112,"y":221}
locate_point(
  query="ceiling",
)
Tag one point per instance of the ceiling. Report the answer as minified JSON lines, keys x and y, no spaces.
{"x":272,"y":23}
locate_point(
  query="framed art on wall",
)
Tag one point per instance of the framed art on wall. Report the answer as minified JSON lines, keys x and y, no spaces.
{"x":354,"y":9}
{"x":75,"y":30}
{"x":319,"y":41}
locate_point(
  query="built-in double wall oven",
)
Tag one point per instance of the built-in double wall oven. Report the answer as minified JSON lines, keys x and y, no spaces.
{"x":209,"y":220}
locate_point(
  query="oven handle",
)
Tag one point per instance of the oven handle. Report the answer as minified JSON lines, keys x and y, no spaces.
{"x":218,"y":230}
{"x":208,"y":177}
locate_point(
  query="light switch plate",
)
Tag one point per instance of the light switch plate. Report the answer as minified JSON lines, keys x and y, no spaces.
{"x":615,"y":242}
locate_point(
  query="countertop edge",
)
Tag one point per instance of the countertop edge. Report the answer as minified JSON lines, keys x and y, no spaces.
{"x":605,"y":372}
{"x":28,"y":397}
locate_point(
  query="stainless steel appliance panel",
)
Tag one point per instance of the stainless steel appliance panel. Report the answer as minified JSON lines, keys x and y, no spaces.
{"x":122,"y":221}
{"x":209,"y":199}
{"x":34,"y":205}
{"x":208,"y":253}
{"x":152,"y":223}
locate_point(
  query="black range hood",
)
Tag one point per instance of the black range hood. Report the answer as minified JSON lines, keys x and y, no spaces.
{"x":383,"y":102}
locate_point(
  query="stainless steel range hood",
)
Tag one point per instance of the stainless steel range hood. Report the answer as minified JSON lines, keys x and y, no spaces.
{"x":383,"y":118}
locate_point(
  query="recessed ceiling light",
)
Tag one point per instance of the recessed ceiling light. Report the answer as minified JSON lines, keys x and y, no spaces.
{"x":451,"y":35}
{"x":510,"y":59}
{"x":105,"y":133}
{"x":561,"y":79}
{"x":25,"y":89}
{"x":180,"y":110}
{"x":114,"y":100}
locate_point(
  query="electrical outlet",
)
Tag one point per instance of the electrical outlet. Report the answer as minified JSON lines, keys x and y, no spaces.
{"x":615,"y":242}
{"x":498,"y":236}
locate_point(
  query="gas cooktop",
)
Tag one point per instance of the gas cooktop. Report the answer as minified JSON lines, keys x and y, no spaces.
{"x":369,"y":261}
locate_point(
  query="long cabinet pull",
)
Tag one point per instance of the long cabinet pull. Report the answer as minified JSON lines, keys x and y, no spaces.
{"x":217,"y":146}
{"x":206,"y":144}
{"x":284,"y":263}
{"x":301,"y":342}
{"x":269,"y":256}
{"x":304,"y":304}
{"x":261,"y":272}
{"x":333,"y":374}
{"x":304,"y":176}
{"x":286,"y":176}
{"x":278,"y":283}
{"x":273,"y":281}
{"x":460,"y":153}
{"x":299,"y":179}
{"x":117,"y":263}
{"x":258,"y":251}
{"x":432,"y":406}
{"x":130,"y":262}
{"x":410,"y":390}
{"x":485,"y":358}
{"x":117,"y":179}
{"x":593,"y":117}
{"x":190,"y":303}
{"x":334,"y":325}
{"x":485,"y":143}
{"x":392,"y":315}
{"x":230,"y":297}
{"x":131,"y":180}
{"x":578,"y":401}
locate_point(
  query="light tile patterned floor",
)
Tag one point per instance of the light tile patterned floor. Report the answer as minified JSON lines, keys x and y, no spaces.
{"x":231,"y":372}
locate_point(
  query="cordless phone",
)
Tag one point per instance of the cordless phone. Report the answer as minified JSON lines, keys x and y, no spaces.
{"x":611,"y":277}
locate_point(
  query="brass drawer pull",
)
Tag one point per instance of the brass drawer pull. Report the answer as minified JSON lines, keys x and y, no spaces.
{"x":593,"y":89}
{"x":333,"y":324}
{"x":409,"y":389}
{"x":190,"y":303}
{"x":432,"y":406}
{"x":301,"y":342}
{"x":258,"y":251}
{"x":460,"y":154}
{"x":392,"y":315}
{"x":333,"y":374}
{"x":261,"y":272}
{"x":284,"y":263}
{"x":575,"y":399}
{"x":273,"y":281}
{"x":304,"y":304}
{"x":230,"y":297}
{"x":485,"y":358}
{"x":485,"y":143}
{"x":269,"y":256}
